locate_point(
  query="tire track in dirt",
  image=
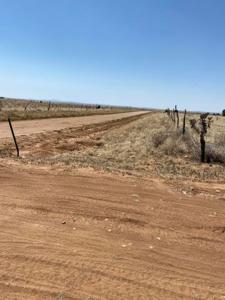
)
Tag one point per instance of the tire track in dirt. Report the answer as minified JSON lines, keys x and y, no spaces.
{"x":107,"y":237}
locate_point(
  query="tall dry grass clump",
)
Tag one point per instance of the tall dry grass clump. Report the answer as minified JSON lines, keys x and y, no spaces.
{"x":170,"y":141}
{"x":216,"y":151}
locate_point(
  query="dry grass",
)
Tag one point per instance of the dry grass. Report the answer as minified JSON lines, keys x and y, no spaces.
{"x":215,"y":140}
{"x":150,"y":145}
{"x":146,"y":145}
{"x":29,"y":109}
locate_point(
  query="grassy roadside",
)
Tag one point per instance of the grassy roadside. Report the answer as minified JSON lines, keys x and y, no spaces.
{"x":148,"y":145}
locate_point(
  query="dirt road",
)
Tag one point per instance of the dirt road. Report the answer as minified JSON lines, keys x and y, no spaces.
{"x":37,"y":126}
{"x":107,"y":237}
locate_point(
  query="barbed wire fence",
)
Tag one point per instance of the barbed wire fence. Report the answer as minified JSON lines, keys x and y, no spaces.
{"x":199,"y":126}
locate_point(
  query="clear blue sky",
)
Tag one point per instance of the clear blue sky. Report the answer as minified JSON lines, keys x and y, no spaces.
{"x":153,"y":53}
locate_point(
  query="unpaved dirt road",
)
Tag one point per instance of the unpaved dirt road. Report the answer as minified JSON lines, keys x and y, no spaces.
{"x":94,"y":236}
{"x":37,"y":126}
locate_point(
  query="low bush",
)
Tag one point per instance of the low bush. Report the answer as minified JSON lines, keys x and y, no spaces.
{"x":215,"y":154}
{"x":159,"y":137}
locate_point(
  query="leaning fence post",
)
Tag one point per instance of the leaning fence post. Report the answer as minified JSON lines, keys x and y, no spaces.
{"x":14,"y":137}
{"x":184,"y":122}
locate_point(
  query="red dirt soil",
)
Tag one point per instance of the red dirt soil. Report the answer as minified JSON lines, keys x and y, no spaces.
{"x":94,"y":236}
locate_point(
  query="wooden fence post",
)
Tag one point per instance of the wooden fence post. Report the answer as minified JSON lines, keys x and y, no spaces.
{"x":202,"y":141}
{"x":176,"y":115}
{"x":184,"y":122}
{"x":203,"y":132}
{"x":178,"y":120}
{"x":173,"y":116}
{"x":14,"y":137}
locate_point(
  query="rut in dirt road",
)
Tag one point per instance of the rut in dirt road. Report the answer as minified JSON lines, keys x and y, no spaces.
{"x":107,"y":237}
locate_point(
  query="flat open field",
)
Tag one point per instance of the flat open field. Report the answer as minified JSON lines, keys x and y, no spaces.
{"x":19,"y":109}
{"x":101,"y":211}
